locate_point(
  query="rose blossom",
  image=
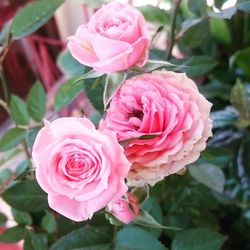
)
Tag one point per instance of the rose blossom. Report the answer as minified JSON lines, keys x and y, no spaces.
{"x":169,"y":106}
{"x":124,"y":209}
{"x":114,"y":39}
{"x":80,"y":168}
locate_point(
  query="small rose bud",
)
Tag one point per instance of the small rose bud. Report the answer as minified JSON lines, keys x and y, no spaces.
{"x":124,"y":209}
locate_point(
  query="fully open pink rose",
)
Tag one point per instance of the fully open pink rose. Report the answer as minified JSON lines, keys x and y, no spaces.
{"x":125,"y":209}
{"x":80,"y":168}
{"x":114,"y":39}
{"x":169,"y":106}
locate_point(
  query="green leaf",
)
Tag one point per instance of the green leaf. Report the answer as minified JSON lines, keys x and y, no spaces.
{"x":224,"y":14}
{"x":219,"y":30}
{"x":142,"y":137}
{"x":3,"y":219}
{"x":197,"y":7}
{"x":22,"y":166}
{"x":132,"y":238}
{"x":113,"y":220}
{"x":216,"y":155}
{"x":32,"y":134}
{"x":225,"y":117}
{"x":22,"y":218}
{"x":26,"y":196}
{"x":33,"y":241}
{"x":245,"y":6}
{"x":49,"y":222}
{"x":83,"y":238}
{"x":37,"y":102}
{"x":156,"y":64}
{"x":146,"y":220}
{"x":243,"y":163}
{"x":69,"y":65}
{"x":196,"y":65}
{"x":95,"y":117}
{"x":157,"y":54}
{"x":98,"y":220}
{"x":18,"y":110}
{"x":67,"y":93}
{"x":90,"y":74}
{"x":238,"y":98}
{"x":5,"y":32}
{"x":112,"y":84}
{"x":242,"y":60}
{"x":189,"y":23}
{"x":141,"y":193}
{"x":66,"y":226}
{"x":7,"y":156}
{"x":218,"y":3}
{"x":153,"y":208}
{"x":216,"y":89}
{"x":196,"y":35}
{"x":5,"y":174}
{"x":209,"y":175}
{"x":198,"y":239}
{"x":94,"y":90}
{"x":31,"y":17}
{"x":210,"y":222}
{"x":12,"y":138}
{"x":13,"y":234}
{"x":155,"y":15}
{"x":97,"y":247}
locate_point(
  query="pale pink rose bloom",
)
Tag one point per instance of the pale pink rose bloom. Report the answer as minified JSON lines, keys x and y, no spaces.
{"x":124,"y":209}
{"x":114,"y":39}
{"x":165,"y":104}
{"x":80,"y":168}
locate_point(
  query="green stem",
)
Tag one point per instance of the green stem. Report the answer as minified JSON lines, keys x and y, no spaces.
{"x":26,"y":150}
{"x":4,"y":105}
{"x":4,"y":84}
{"x":172,"y":30}
{"x":114,"y":235}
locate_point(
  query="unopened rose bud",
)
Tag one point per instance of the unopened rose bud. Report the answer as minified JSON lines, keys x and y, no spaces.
{"x":124,"y":209}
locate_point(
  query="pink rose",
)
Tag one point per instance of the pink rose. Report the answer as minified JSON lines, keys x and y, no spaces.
{"x":80,"y":168}
{"x":124,"y":209}
{"x":169,"y":106}
{"x":114,"y":39}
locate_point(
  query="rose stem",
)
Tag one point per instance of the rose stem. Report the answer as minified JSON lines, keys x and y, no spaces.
{"x":172,"y":30}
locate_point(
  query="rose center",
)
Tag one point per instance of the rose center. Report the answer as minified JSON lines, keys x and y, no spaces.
{"x":77,"y":166}
{"x":136,"y":113}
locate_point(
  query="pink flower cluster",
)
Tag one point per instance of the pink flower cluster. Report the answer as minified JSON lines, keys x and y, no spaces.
{"x":161,"y":115}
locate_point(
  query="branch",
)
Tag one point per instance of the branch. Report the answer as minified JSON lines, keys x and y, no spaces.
{"x":4,"y":84}
{"x":172,"y":30}
{"x":4,"y":105}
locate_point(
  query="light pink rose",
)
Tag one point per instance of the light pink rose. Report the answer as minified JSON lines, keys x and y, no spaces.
{"x":114,"y":39}
{"x":124,"y":209}
{"x":80,"y":168}
{"x":169,"y":106}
